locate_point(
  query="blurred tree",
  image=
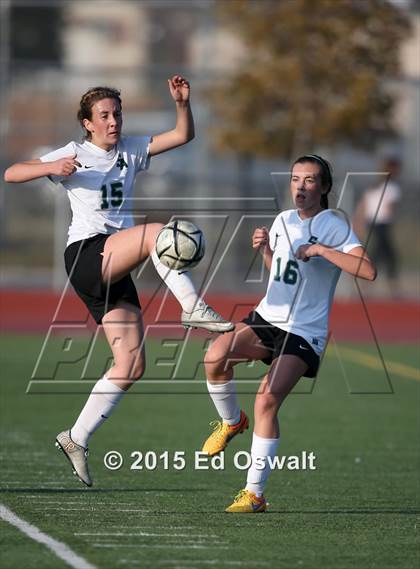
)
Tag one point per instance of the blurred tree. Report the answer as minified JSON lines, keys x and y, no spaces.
{"x":313,"y":73}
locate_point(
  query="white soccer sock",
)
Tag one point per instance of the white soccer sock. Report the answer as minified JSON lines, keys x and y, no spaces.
{"x":101,"y":403}
{"x":257,"y":477}
{"x":225,"y":401}
{"x":180,"y":284}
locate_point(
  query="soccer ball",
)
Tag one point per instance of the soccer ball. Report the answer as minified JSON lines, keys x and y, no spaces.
{"x":180,"y":245}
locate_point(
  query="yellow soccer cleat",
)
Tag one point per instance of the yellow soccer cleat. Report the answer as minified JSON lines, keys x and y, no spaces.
{"x":223,"y":433}
{"x":247,"y":502}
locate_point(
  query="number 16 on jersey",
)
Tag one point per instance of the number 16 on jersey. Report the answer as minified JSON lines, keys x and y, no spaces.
{"x":291,"y":272}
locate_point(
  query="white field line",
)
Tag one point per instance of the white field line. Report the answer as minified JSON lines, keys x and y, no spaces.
{"x":146,"y":534}
{"x":40,"y":499}
{"x":42,"y":486}
{"x":169,"y":527}
{"x":142,"y":510}
{"x":82,"y":500}
{"x":33,"y":497}
{"x":150,"y":546}
{"x":91,"y":509}
{"x":68,"y":515}
{"x":14,"y":481}
{"x":177,"y":562}
{"x":59,"y":548}
{"x":147,"y":527}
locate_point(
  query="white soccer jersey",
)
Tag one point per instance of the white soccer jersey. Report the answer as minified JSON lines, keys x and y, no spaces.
{"x":100,"y":191}
{"x":299,"y":294}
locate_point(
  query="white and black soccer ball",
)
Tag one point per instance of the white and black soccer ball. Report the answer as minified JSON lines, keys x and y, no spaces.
{"x":180,"y":245}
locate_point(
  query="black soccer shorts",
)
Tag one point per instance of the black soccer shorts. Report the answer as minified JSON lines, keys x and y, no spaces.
{"x":83,"y":262}
{"x":281,"y":342}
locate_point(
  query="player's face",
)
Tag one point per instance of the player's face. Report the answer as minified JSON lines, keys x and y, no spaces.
{"x":306,"y":188}
{"x":105,"y":124}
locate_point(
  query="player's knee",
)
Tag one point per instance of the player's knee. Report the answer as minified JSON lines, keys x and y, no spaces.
{"x":216,"y":361}
{"x":157,"y":227}
{"x":151,"y":235}
{"x":154,"y":230}
{"x":266,"y":404}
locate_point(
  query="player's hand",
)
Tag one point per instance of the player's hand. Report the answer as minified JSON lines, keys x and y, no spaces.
{"x":65,"y":166}
{"x":305,"y":252}
{"x":179,"y":88}
{"x":260,"y":238}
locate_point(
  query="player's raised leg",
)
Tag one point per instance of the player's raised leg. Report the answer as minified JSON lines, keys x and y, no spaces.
{"x":284,"y":373}
{"x":227,"y":351}
{"x":125,"y":250}
{"x":123,"y":328}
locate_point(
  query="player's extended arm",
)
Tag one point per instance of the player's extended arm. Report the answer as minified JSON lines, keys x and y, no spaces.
{"x":33,"y":169}
{"x":260,"y":240}
{"x":356,"y":262}
{"x":184,"y":128}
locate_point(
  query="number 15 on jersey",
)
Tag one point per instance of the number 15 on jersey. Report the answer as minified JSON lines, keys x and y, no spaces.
{"x":113,"y":194}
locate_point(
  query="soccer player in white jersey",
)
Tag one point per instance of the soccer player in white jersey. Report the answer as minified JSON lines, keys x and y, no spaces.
{"x":305,"y":251}
{"x":104,"y":246}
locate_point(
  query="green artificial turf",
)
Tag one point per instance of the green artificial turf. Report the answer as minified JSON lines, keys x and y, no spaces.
{"x":359,"y":508}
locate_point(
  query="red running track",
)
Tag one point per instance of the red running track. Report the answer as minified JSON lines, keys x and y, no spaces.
{"x":33,"y":311}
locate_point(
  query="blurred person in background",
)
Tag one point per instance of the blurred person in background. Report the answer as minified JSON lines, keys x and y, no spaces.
{"x":374,"y":217}
{"x":104,"y":245}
